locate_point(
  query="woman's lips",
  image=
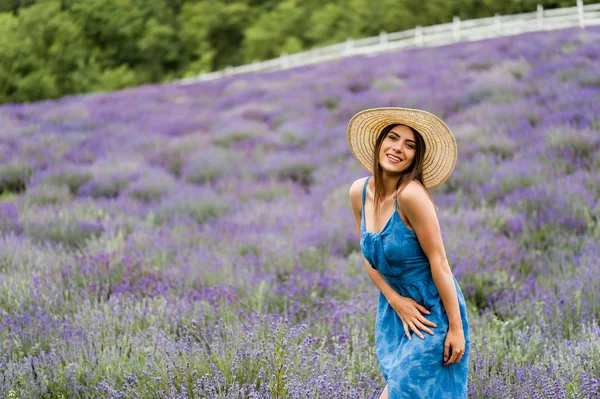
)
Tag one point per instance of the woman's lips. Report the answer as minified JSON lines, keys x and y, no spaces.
{"x":392,"y":159}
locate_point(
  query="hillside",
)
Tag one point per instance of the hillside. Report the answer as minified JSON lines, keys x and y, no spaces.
{"x":196,"y":241}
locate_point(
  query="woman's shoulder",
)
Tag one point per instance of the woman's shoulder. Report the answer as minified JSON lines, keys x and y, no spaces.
{"x":357,"y":185}
{"x":413,"y":190}
{"x":415,"y":199}
{"x":355,"y":191}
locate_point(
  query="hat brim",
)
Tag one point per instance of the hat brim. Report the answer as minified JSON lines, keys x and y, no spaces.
{"x":440,"y":153}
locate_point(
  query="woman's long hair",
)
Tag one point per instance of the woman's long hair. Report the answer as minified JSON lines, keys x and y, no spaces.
{"x":414,"y":172}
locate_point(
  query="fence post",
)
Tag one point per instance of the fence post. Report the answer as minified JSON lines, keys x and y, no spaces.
{"x":283,"y":61}
{"x":456,"y":28}
{"x":383,"y":38}
{"x":419,"y":36}
{"x":540,"y":16}
{"x":498,"y":23}
{"x":580,"y":13}
{"x":348,"y":46}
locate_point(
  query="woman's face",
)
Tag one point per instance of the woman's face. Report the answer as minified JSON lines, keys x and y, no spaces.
{"x":397,"y":150}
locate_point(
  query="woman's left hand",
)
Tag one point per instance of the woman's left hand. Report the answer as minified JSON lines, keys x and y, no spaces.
{"x":454,"y":345}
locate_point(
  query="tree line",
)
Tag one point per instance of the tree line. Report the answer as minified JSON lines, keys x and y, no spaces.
{"x":50,"y":48}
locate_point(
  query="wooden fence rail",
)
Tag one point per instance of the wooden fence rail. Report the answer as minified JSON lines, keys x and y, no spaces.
{"x":429,"y":36}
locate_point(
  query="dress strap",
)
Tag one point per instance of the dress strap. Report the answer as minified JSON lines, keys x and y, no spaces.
{"x":365,"y":190}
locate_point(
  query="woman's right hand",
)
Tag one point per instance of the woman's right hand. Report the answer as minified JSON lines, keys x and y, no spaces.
{"x":409,"y":312}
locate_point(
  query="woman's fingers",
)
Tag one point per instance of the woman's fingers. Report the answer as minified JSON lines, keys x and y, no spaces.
{"x":421,"y":308}
{"x":406,"y":330}
{"x":426,"y":322}
{"x":446,"y":352}
{"x":453,"y":358}
{"x":416,"y":330}
{"x":422,"y":327}
{"x":416,"y":323}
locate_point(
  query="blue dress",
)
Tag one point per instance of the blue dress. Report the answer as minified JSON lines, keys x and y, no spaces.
{"x":412,"y":369}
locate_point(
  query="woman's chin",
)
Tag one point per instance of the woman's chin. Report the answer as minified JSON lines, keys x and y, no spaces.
{"x":392,"y":170}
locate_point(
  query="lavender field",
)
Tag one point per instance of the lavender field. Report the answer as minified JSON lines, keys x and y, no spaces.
{"x":197,"y":241}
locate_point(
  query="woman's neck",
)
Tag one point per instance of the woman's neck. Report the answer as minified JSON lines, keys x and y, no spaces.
{"x":389,"y":184}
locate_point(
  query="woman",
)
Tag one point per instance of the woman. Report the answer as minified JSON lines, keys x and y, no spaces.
{"x":409,"y":151}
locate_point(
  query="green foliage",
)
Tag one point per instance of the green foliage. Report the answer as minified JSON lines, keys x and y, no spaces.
{"x":208,"y":164}
{"x":149,"y":191}
{"x":272,"y":193}
{"x":46,"y":194}
{"x":43,"y":55}
{"x":211,"y":33}
{"x":275,"y":32}
{"x":104,"y":187}
{"x":226,"y":141}
{"x":582,"y":143}
{"x":14,"y":177}
{"x":478,"y":287}
{"x":199,"y":209}
{"x":14,"y":5}
{"x":115,"y":26}
{"x":64,"y":230}
{"x":299,"y":172}
{"x":116,"y":78}
{"x":51,"y":48}
{"x":160,"y":42}
{"x":73,"y":179}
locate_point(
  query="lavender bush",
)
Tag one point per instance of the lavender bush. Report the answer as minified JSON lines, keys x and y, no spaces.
{"x":196,"y":241}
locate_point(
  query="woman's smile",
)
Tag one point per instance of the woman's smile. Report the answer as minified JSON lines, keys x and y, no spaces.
{"x":393,"y":159}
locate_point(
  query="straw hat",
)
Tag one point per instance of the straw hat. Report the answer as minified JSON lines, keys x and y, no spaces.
{"x":440,"y":145}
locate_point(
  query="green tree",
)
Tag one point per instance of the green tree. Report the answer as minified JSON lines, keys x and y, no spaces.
{"x":14,"y":5}
{"x":333,"y":24}
{"x":9,"y":48}
{"x":212,"y":33}
{"x":112,"y":28}
{"x":43,"y":54}
{"x":131,"y":41}
{"x":277,"y":31}
{"x":161,"y":51}
{"x":50,"y":48}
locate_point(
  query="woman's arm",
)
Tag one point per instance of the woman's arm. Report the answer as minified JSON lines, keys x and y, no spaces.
{"x":408,"y":309}
{"x":419,"y":210}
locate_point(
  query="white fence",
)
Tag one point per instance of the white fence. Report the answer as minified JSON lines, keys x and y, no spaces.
{"x":428,"y":36}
